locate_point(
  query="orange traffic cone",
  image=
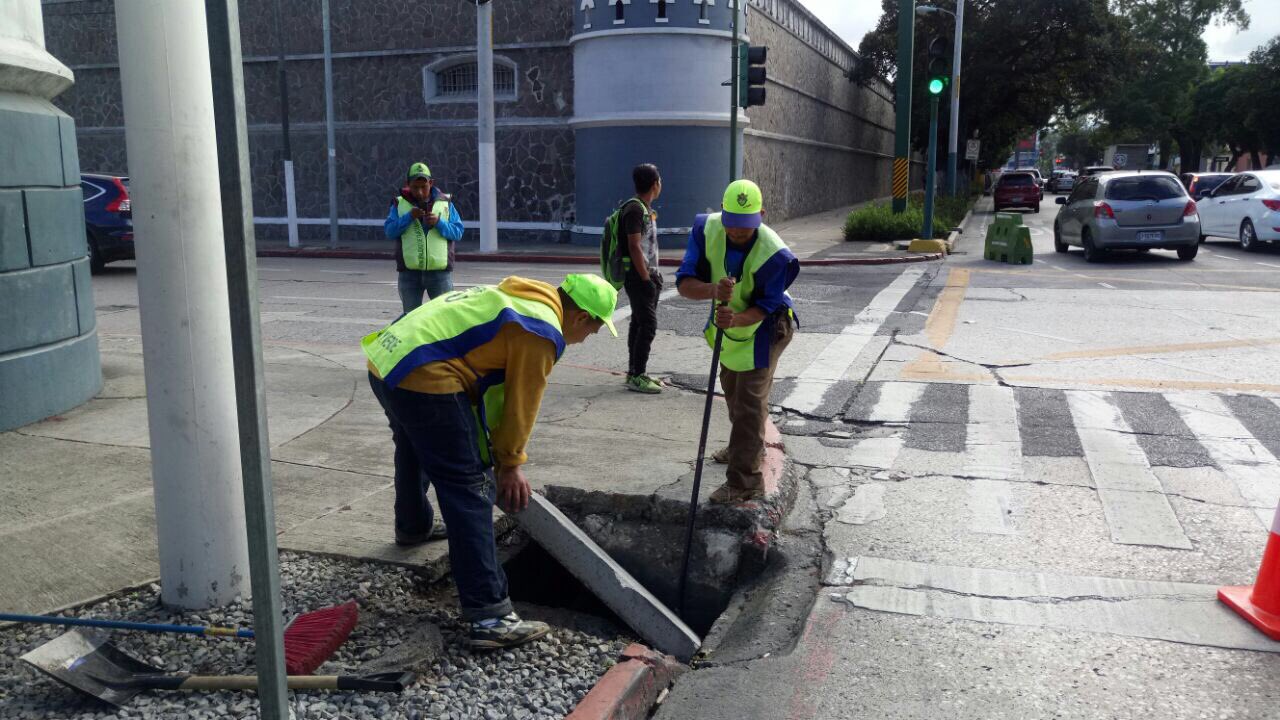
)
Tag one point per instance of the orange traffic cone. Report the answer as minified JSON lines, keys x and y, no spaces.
{"x":1260,"y":603}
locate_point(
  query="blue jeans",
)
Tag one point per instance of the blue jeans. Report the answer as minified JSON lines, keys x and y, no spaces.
{"x":436,"y":439}
{"x":413,"y":283}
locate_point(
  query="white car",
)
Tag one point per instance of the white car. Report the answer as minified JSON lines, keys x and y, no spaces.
{"x":1245,"y":208}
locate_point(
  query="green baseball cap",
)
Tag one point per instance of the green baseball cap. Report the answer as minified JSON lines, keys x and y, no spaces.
{"x":594,"y":295}
{"x":742,"y":204}
{"x":419,"y":170}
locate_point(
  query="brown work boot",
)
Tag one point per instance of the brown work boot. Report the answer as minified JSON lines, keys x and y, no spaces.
{"x":727,"y":494}
{"x":721,"y":456}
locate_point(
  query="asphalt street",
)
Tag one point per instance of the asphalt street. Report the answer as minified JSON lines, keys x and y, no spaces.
{"x":1025,"y":482}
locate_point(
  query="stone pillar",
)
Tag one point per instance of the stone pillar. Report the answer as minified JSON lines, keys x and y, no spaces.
{"x":48,"y":340}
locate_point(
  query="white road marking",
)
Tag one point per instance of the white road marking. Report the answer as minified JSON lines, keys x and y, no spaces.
{"x":1270,"y":265}
{"x":623,"y":313}
{"x":1243,"y":459}
{"x":993,"y":453}
{"x":344,"y":272}
{"x":839,"y":355}
{"x":894,"y":404}
{"x":1133,"y":501}
{"x":879,"y":453}
{"x":1225,"y":257}
{"x":1109,"y":287}
{"x":866,"y":505}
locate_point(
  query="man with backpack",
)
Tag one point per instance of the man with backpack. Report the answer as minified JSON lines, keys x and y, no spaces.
{"x":425,"y":225}
{"x":630,"y":260}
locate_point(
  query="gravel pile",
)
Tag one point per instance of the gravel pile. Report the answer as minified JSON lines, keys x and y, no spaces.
{"x":403,"y":625}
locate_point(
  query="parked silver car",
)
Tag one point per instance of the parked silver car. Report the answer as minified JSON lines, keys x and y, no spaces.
{"x":1127,"y":211}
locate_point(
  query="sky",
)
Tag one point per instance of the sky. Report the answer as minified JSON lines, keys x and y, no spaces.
{"x":851,"y":19}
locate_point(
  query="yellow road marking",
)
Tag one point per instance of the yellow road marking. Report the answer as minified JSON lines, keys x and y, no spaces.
{"x":1159,"y":349}
{"x":1145,"y":383}
{"x":938,"y":329}
{"x":1250,"y":288}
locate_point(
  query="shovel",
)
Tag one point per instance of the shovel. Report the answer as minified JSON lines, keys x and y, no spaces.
{"x":93,"y":666}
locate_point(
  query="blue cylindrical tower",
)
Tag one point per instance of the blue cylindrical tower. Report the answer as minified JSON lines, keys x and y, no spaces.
{"x":649,"y":86}
{"x":48,"y":341}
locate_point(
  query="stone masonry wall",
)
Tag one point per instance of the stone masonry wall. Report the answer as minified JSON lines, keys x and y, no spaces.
{"x":820,"y":141}
{"x":383,"y":121}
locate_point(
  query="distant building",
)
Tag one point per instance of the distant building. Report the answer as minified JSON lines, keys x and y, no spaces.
{"x":585,"y":90}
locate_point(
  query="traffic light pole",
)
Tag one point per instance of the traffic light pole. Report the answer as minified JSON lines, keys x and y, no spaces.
{"x":902,"y":105}
{"x":953,"y":139}
{"x":734,"y":87}
{"x":929,"y":173}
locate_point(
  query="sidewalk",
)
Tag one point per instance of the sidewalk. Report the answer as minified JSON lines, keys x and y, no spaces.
{"x":815,"y":239}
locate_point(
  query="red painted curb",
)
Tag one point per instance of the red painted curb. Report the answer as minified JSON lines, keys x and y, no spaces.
{"x":629,"y":689}
{"x":571,"y":259}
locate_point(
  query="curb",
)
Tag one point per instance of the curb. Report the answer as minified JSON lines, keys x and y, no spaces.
{"x":571,"y":259}
{"x":629,"y":689}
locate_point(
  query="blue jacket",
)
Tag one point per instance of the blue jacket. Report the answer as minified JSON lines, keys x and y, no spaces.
{"x":395,"y":225}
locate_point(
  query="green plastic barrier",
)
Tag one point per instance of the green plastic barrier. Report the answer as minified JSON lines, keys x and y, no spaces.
{"x":1008,"y":240}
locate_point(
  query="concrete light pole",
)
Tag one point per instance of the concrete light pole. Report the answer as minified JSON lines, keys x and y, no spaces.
{"x":488,"y":188}
{"x":331,"y":147}
{"x":183,"y":301}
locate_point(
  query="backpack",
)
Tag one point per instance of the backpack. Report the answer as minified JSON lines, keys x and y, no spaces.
{"x":615,"y":256}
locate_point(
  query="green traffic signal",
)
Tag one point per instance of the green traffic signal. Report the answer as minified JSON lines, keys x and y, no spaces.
{"x":935,"y":86}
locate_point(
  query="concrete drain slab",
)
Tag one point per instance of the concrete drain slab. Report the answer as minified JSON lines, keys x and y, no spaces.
{"x":1178,"y":612}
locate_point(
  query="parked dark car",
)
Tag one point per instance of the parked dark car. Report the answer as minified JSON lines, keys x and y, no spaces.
{"x":1200,"y":184}
{"x":108,"y":218}
{"x":1018,"y":189}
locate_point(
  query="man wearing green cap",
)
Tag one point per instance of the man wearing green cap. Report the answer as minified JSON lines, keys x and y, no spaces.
{"x":460,"y":380}
{"x":739,"y":261}
{"x":425,"y":225}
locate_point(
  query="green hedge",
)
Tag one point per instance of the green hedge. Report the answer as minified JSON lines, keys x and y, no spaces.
{"x":877,"y":222}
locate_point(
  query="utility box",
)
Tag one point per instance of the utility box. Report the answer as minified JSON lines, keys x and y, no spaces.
{"x":1128,"y":157}
{"x":1008,"y":240}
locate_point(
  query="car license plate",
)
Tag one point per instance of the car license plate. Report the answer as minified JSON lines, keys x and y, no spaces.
{"x":1150,"y":236}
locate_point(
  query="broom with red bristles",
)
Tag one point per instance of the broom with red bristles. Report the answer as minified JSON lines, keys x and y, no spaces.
{"x":309,"y":640}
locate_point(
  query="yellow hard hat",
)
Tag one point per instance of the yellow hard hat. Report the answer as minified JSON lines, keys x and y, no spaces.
{"x":742,"y":205}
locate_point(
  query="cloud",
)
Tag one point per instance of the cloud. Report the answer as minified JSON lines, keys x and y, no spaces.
{"x":1228,"y":43}
{"x":850,"y":19}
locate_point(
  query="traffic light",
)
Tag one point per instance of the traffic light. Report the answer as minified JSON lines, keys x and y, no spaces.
{"x":751,"y":75}
{"x":939,"y":66}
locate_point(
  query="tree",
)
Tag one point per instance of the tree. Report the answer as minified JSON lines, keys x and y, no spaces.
{"x":1024,"y":62}
{"x":1165,"y":61}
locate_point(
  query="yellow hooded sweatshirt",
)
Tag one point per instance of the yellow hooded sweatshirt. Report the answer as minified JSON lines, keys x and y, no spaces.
{"x":527,"y":360}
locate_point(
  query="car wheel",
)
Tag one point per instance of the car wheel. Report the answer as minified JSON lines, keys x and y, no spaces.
{"x":1248,"y":236}
{"x":1091,"y":253}
{"x":95,"y":258}
{"x":1036,"y":209}
{"x":1203,"y":238}
{"x":1058,"y":244}
{"x":1188,"y":253}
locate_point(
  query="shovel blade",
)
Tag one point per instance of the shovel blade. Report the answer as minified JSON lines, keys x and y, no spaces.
{"x":86,"y":662}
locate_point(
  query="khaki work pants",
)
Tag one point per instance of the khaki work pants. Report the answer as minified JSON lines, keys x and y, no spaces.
{"x":747,"y":395}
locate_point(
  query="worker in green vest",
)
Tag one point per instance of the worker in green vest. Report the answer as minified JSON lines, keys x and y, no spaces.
{"x":461,"y":379}
{"x":734,"y":258}
{"x":425,"y":225}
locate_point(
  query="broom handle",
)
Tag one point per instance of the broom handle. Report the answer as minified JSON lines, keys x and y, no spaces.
{"x":127,"y":625}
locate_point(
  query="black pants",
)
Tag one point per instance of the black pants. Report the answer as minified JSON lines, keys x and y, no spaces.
{"x":643,"y":295}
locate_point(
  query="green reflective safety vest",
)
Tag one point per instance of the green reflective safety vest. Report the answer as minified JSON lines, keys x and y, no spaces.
{"x":738,"y":349}
{"x":452,"y":325}
{"x":423,"y":249}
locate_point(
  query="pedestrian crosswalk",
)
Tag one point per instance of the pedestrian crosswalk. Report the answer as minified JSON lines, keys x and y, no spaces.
{"x":994,"y":433}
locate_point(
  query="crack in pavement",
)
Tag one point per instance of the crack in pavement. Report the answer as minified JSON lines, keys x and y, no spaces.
{"x":1033,"y":599}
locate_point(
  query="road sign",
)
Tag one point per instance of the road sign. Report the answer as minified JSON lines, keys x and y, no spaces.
{"x":971,"y":148}
{"x":1120,"y":160}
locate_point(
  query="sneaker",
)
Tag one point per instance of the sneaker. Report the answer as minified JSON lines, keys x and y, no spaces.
{"x":505,"y":632}
{"x":643,"y":384}
{"x":439,"y":531}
